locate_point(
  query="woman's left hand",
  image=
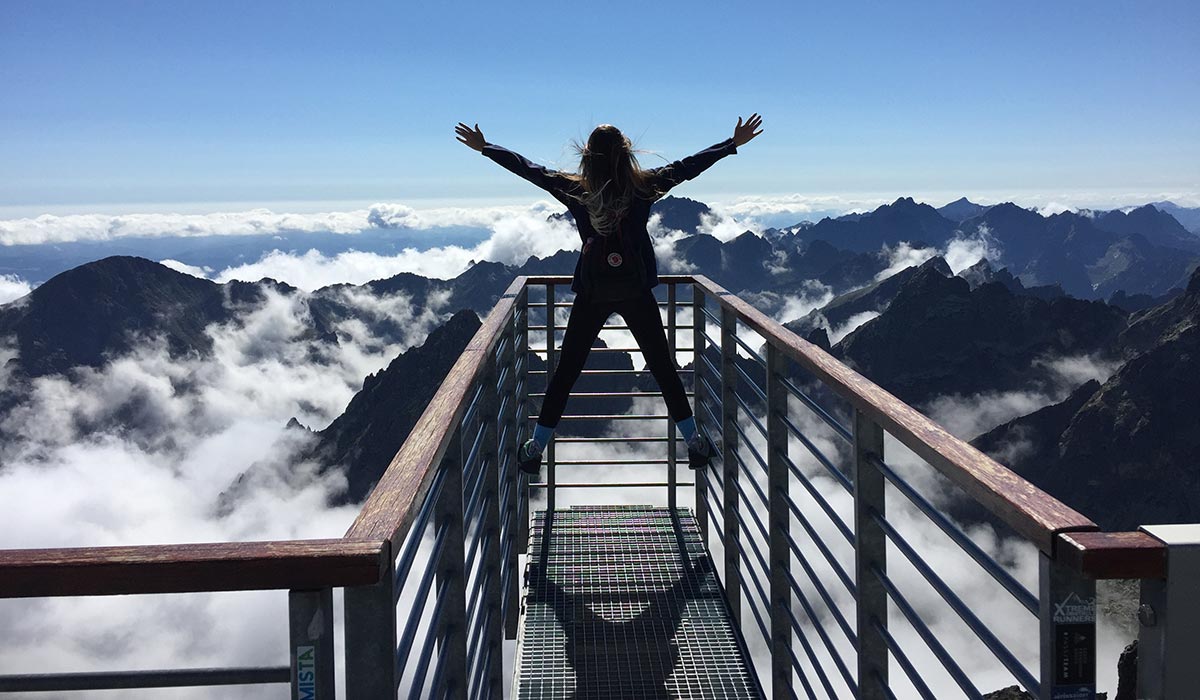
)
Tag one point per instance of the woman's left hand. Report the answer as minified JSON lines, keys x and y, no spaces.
{"x":742,"y":133}
{"x":473,"y":138}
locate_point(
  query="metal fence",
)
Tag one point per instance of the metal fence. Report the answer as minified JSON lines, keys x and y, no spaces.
{"x":803,"y":509}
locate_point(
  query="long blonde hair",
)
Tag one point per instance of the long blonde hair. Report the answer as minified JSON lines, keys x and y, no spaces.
{"x":610,"y":178}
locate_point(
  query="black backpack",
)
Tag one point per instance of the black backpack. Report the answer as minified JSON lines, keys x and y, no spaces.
{"x":614,"y":267}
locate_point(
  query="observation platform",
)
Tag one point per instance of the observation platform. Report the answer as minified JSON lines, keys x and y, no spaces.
{"x":624,"y":602}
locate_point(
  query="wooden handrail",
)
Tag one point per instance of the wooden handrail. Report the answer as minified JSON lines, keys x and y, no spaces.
{"x":1109,"y":555}
{"x":190,"y":568}
{"x":394,"y":502}
{"x":1032,"y":512}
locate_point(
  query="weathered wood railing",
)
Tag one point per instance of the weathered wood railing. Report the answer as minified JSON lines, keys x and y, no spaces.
{"x":436,"y":544}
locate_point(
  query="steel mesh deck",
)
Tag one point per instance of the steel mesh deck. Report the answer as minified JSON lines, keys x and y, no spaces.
{"x":622,"y":602}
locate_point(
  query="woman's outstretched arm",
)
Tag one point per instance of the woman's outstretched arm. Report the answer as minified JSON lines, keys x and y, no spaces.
{"x":670,"y":175}
{"x":551,"y":181}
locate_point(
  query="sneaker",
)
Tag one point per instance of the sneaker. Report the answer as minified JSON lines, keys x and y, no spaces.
{"x":529,"y":457}
{"x":700,"y":451}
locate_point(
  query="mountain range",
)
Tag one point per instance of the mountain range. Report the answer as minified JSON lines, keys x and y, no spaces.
{"x":921,"y":332}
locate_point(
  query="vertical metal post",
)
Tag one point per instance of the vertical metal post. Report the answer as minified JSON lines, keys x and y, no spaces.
{"x":1169,"y":642}
{"x":1068,"y":632}
{"x":779,"y":519}
{"x":731,"y":528}
{"x":870,"y":550}
{"x":310,"y":627}
{"x":490,"y":607}
{"x":550,"y":323}
{"x":518,"y":356}
{"x":371,"y":637}
{"x":671,"y":446}
{"x":522,"y":506}
{"x":698,"y":398}
{"x":452,"y":630}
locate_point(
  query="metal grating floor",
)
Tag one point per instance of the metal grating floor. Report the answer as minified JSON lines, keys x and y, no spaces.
{"x":622,"y":602}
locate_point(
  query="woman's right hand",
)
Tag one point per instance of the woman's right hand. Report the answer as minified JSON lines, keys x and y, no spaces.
{"x":473,"y":138}
{"x":742,"y":133}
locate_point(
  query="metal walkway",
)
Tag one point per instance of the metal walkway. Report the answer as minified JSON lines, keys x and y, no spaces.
{"x":623,"y":602}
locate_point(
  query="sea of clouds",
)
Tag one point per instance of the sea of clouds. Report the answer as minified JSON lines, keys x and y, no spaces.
{"x":175,"y":434}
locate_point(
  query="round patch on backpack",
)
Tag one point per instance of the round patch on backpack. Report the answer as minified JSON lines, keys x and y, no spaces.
{"x":614,"y":259}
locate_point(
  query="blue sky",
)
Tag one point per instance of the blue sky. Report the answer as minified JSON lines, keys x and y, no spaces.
{"x":250,"y":102}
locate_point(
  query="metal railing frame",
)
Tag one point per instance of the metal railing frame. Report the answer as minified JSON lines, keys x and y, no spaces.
{"x":447,"y":521}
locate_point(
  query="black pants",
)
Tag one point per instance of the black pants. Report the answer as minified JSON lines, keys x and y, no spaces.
{"x":584,"y":324}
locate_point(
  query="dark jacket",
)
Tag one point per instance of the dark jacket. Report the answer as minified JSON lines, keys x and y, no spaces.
{"x":566,"y":191}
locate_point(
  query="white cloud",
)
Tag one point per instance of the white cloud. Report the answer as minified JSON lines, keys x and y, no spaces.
{"x":903,"y":256}
{"x":50,"y":228}
{"x":960,"y":253}
{"x":851,"y":324}
{"x":514,"y":239}
{"x":813,"y":295}
{"x":142,"y":450}
{"x":12,"y":287}
{"x":725,"y":228}
{"x":193,"y":270}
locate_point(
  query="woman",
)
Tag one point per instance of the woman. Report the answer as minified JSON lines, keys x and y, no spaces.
{"x":610,"y":199}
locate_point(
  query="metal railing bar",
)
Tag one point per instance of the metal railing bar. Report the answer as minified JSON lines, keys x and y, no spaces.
{"x":607,"y":485}
{"x":608,"y":394}
{"x":712,"y":317}
{"x":833,"y":562}
{"x":749,"y":414}
{"x":474,"y":639}
{"x":762,"y":627}
{"x":124,"y":680}
{"x":909,"y":670}
{"x":930,"y":638}
{"x":640,"y":438}
{"x":816,"y":496}
{"x":440,"y":688}
{"x":879,"y":680}
{"x":753,"y":482}
{"x":618,"y":326}
{"x":1003,"y":655}
{"x":825,"y":639}
{"x":709,"y":341}
{"x":605,"y":372}
{"x":422,"y":669}
{"x":502,"y":379}
{"x":414,"y":614}
{"x":607,"y":462}
{"x":762,"y":395}
{"x":827,"y":599}
{"x":535,"y":349}
{"x":753,"y":353}
{"x":472,"y":453}
{"x":810,"y":693}
{"x":713,"y":371}
{"x":836,"y":473}
{"x":708,"y":387}
{"x":416,"y":533}
{"x":762,"y":560}
{"x":481,"y":533}
{"x":811,"y":653}
{"x":469,"y":413}
{"x":476,"y":495}
{"x":609,"y":416}
{"x":762,"y":463}
{"x":711,"y":477}
{"x":477,"y":676}
{"x":817,"y":409}
{"x":1002,"y":576}
{"x":714,"y":422}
